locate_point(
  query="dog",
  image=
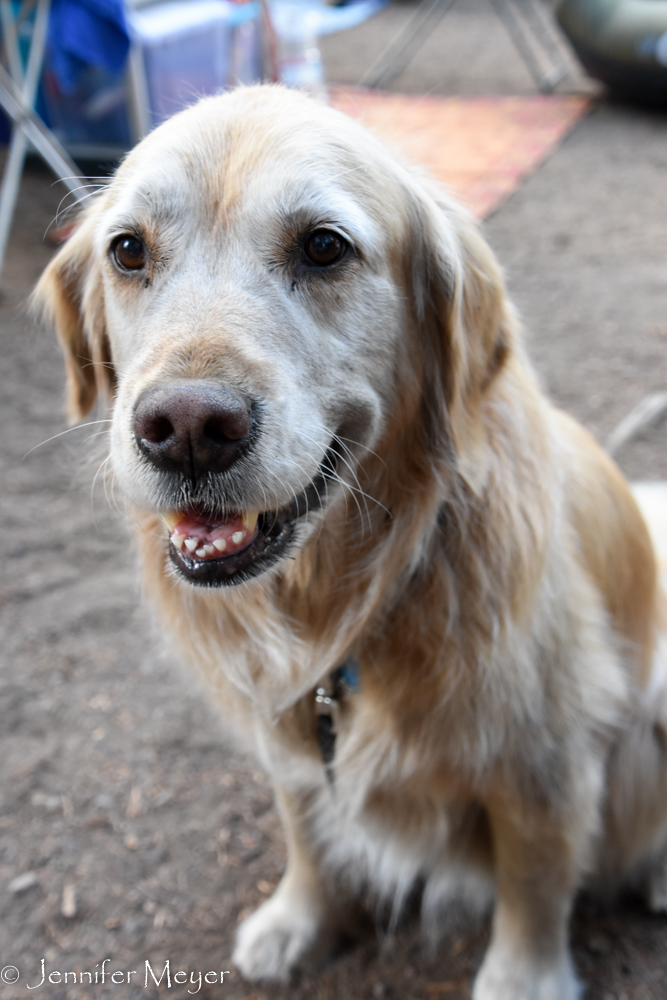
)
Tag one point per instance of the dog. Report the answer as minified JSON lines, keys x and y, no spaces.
{"x":424,"y":596}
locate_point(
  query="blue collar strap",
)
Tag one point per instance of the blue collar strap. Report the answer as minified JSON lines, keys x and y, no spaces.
{"x":347,"y":675}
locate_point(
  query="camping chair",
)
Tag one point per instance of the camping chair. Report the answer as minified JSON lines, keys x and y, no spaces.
{"x":18,"y":91}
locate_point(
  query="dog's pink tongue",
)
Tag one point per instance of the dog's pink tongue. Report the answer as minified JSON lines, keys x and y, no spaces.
{"x":204,"y":538}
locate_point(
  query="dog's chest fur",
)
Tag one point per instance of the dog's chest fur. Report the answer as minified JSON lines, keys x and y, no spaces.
{"x":428,"y":732}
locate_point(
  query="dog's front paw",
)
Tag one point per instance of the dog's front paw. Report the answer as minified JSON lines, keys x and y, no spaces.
{"x":505,"y":976}
{"x":276,"y":938}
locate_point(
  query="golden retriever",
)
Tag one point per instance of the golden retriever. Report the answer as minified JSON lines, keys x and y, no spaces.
{"x":318,"y":385}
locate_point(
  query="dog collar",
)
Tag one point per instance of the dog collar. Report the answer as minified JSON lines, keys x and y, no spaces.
{"x":344,"y":678}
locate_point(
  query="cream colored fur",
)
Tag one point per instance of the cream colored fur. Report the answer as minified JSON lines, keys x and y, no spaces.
{"x":479,"y":555}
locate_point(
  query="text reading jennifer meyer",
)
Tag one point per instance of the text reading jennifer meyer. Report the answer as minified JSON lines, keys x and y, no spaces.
{"x":101,"y":975}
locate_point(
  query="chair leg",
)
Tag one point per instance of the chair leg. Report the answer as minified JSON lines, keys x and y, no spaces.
{"x":11,"y":181}
{"x":396,"y":56}
{"x":28,"y":82}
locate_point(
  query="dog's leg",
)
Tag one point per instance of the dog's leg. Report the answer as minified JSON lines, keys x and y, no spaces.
{"x":295,"y":924}
{"x":528,"y":958}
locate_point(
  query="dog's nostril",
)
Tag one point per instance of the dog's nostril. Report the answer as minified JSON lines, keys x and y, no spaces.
{"x":157,"y":429}
{"x":229,"y":426}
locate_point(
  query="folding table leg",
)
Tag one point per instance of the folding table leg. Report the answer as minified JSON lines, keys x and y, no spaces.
{"x":12,"y":176}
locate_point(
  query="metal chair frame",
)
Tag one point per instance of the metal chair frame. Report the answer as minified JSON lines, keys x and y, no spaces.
{"x":526,"y":22}
{"x":18,"y":91}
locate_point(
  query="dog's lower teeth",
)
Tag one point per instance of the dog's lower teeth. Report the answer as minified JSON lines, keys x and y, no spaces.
{"x":206,"y":547}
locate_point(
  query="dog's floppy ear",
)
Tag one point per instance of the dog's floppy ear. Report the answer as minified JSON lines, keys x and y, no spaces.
{"x":70,"y":294}
{"x":467,"y":326}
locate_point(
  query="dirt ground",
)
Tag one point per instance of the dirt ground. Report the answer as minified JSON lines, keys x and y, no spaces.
{"x":122,"y":800}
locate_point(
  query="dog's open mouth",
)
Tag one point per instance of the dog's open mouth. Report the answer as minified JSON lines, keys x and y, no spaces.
{"x":212,"y":550}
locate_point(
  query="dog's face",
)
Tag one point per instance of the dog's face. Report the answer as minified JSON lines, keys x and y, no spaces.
{"x":249,"y":287}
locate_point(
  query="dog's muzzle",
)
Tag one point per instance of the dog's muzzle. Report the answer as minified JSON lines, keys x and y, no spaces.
{"x":191,"y":431}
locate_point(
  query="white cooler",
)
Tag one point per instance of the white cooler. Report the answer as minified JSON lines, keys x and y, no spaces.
{"x":194,"y":48}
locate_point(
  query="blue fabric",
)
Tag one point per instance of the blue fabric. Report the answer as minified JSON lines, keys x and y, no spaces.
{"x":86,"y":33}
{"x":348,"y":674}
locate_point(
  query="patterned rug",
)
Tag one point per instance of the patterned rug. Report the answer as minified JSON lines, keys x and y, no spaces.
{"x":481,"y":147}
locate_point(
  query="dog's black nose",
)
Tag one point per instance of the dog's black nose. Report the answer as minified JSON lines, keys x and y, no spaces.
{"x":192,"y":428}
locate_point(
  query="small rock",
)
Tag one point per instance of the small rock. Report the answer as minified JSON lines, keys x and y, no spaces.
{"x":134,"y":803}
{"x":68,"y":905}
{"x":162,"y":798}
{"x":49,"y":802}
{"x":101,"y":702}
{"x":21,"y":883}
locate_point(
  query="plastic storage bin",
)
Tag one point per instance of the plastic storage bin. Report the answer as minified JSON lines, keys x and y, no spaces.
{"x":188,"y":50}
{"x":181,"y":51}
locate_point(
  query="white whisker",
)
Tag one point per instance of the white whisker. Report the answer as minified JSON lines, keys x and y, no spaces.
{"x":92,"y":492}
{"x":68,"y":430}
{"x":61,"y":212}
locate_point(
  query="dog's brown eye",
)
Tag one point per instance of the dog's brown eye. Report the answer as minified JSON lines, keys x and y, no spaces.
{"x":129,"y":253}
{"x":324,"y":247}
